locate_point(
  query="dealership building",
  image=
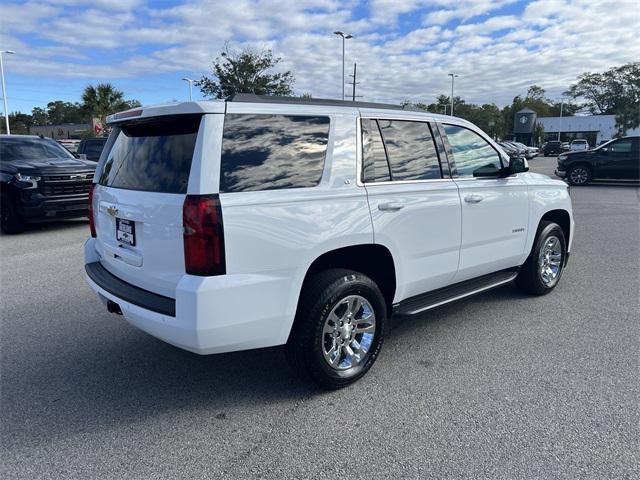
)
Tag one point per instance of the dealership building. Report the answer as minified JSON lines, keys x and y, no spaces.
{"x":593,"y":128}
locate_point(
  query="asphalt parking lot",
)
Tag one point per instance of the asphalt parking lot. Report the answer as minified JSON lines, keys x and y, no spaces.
{"x":498,"y":386}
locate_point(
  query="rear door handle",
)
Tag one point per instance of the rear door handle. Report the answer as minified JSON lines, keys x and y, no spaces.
{"x":390,"y":206}
{"x":473,"y":198}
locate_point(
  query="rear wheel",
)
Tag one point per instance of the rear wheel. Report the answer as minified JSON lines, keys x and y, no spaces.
{"x":579,"y":175}
{"x":11,"y":221}
{"x":338,"y":331}
{"x":542,"y":271}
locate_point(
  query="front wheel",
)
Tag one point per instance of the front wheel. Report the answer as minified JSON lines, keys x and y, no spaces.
{"x":11,"y":220}
{"x":339,"y":328}
{"x":542,"y":271}
{"x":579,"y":175}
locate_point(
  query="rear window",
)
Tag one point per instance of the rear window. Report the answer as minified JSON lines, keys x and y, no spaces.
{"x":152,"y":155}
{"x":269,"y":152}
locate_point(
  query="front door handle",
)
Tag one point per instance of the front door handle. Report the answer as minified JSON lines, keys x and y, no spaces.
{"x":390,"y":206}
{"x":473,"y":198}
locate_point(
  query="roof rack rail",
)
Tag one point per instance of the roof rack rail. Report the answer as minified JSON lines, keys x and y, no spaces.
{"x":253,"y":98}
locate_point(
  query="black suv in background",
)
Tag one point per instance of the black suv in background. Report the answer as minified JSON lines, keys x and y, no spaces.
{"x":552,"y":147}
{"x":40,"y":179}
{"x":92,"y":147}
{"x":617,"y":159}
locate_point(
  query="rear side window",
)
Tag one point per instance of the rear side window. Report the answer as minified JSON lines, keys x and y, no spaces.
{"x":411,"y":150}
{"x":472,"y":154}
{"x":376,"y":167}
{"x":152,"y":155}
{"x":269,"y":152}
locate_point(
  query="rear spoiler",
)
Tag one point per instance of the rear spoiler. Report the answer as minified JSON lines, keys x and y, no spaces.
{"x":210,"y":106}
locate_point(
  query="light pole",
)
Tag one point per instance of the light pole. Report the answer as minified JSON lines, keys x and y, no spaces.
{"x":4,"y":90}
{"x":345,"y":36}
{"x":452,"y":75}
{"x":190,"y":82}
{"x":560,"y":124}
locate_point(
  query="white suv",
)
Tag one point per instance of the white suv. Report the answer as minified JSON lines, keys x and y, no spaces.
{"x":579,"y":145}
{"x":223,"y":226}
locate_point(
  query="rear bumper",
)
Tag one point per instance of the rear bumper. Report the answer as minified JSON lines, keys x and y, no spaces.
{"x":210,"y":314}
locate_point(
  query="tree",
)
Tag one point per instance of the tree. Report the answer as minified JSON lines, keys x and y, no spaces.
{"x":615,"y":92}
{"x":39,"y":116}
{"x":64,"y":112}
{"x":104,"y":99}
{"x":246,"y":72}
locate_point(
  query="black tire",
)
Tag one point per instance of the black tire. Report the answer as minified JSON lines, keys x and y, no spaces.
{"x":530,"y":278}
{"x":11,"y":221}
{"x":579,"y":175}
{"x":321,"y":294}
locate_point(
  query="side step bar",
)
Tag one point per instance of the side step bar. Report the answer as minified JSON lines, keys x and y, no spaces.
{"x":427,"y":301}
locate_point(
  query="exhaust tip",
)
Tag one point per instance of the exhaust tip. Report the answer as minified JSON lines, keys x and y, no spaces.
{"x":113,"y":307}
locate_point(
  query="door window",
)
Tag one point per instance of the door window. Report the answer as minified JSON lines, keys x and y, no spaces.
{"x":472,"y":154}
{"x":398,"y":150}
{"x":621,"y":146}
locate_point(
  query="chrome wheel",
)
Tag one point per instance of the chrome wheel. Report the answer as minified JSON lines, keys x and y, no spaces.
{"x":550,"y":261}
{"x":579,"y":175}
{"x":348,"y":332}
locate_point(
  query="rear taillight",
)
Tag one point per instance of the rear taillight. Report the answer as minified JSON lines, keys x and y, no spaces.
{"x":203,"y":235}
{"x":92,"y":224}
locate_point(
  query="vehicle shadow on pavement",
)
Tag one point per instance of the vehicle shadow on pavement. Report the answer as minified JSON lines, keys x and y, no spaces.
{"x":112,"y":374}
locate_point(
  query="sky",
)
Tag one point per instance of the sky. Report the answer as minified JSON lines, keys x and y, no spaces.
{"x":404,"y":48}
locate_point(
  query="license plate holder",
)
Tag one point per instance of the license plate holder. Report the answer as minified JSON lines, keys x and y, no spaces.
{"x":126,"y":231}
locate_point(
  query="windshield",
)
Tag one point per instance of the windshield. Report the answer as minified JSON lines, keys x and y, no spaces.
{"x":16,"y":148}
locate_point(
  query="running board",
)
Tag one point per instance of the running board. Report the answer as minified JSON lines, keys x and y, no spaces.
{"x":427,"y":301}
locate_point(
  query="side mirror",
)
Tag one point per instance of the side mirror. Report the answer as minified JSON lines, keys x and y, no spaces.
{"x":605,"y":150}
{"x":518,"y":165}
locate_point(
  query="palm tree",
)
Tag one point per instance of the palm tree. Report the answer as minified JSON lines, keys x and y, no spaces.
{"x":104,"y":99}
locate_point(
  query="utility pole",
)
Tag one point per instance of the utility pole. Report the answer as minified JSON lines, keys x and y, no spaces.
{"x":354,"y":83}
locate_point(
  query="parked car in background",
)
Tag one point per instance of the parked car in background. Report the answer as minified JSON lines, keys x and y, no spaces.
{"x":579,"y":145}
{"x":529,"y":152}
{"x":92,"y":147}
{"x":510,"y":150}
{"x":40,"y":179}
{"x":70,"y":144}
{"x":552,"y":147}
{"x":263,"y":221}
{"x":566,"y":146}
{"x":617,"y":159}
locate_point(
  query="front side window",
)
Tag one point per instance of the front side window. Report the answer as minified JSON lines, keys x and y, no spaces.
{"x":472,"y":154}
{"x":270,"y":152}
{"x":621,"y":146}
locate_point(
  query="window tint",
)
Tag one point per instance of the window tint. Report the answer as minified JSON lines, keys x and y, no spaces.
{"x":471,"y":153}
{"x":267,"y":152}
{"x":411,"y":150}
{"x":375,"y":166}
{"x":30,"y":149}
{"x":621,"y":146}
{"x":153,"y":155}
{"x":93,"y":149}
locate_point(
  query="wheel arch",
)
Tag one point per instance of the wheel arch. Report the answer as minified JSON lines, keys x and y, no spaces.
{"x":373,"y":260}
{"x":562,"y":218}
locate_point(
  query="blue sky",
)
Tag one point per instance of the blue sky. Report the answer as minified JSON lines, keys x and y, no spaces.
{"x":404,"y":48}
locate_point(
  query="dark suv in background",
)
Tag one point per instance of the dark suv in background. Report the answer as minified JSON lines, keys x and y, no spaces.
{"x":552,"y":147}
{"x":92,"y":148}
{"x":40,"y":179}
{"x":618,"y":159}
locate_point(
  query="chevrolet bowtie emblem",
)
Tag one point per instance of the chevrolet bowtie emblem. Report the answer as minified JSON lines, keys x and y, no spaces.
{"x":113,"y":211}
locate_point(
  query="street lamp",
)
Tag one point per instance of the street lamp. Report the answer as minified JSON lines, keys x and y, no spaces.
{"x":4,"y":89}
{"x":560,"y":123}
{"x":452,"y":75}
{"x":345,"y":36}
{"x":190,"y":81}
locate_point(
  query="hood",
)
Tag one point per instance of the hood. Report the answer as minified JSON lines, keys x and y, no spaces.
{"x":48,"y":165}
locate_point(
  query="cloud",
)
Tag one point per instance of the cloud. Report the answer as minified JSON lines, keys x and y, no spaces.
{"x":498,"y":47}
